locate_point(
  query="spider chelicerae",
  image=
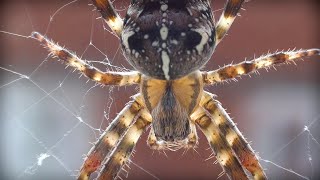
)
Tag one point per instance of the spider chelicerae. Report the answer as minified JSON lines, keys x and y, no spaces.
{"x":168,"y":42}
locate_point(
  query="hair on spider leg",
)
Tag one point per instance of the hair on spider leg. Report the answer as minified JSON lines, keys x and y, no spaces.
{"x":211,"y":156}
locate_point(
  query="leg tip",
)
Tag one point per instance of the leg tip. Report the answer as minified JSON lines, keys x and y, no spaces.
{"x":316,"y":51}
{"x":37,"y":36}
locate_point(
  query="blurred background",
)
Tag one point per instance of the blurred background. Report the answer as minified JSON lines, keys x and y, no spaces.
{"x":49,"y":116}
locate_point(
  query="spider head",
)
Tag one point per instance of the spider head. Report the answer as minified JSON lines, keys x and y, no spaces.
{"x":168,"y":39}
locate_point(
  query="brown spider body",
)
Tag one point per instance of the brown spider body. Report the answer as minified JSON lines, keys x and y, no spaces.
{"x":168,"y":42}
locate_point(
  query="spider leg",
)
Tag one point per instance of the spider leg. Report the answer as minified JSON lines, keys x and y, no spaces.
{"x":192,"y":139}
{"x":109,"y":14}
{"x":152,"y":141}
{"x":110,"y":138}
{"x":230,"y":12}
{"x":222,"y":151}
{"x":234,"y":138}
{"x":247,"y":67}
{"x":124,"y":149}
{"x":106,"y":78}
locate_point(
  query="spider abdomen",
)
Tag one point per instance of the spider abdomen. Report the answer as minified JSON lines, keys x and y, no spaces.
{"x":168,"y":39}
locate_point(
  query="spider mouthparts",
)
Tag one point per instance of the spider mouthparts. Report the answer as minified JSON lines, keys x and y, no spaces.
{"x":171,"y":145}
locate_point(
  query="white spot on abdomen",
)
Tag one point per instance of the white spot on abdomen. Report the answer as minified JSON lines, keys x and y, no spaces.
{"x":125,"y":39}
{"x":204,"y":40}
{"x":165,"y":64}
{"x":164,"y":31}
{"x":164,"y":7}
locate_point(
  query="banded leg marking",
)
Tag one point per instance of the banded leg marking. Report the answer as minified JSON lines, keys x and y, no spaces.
{"x":247,"y":67}
{"x":230,"y":12}
{"x":222,"y":151}
{"x":110,"y":138}
{"x":234,"y":137}
{"x":106,"y":78}
{"x":124,"y":150}
{"x":109,"y":14}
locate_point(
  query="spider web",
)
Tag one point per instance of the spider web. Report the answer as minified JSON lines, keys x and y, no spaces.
{"x":50,"y":116}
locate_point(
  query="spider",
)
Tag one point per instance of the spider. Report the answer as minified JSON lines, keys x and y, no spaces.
{"x":167,"y":42}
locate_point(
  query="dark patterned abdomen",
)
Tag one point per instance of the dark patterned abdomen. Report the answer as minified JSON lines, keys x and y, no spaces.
{"x":168,"y":39}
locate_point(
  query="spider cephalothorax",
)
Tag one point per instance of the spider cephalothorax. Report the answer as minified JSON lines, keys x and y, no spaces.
{"x":170,"y":104}
{"x":168,"y":39}
{"x":168,"y":42}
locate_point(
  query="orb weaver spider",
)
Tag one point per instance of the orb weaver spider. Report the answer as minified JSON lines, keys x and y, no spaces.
{"x":167,"y":42}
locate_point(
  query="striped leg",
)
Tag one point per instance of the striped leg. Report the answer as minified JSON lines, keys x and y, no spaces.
{"x":110,"y":138}
{"x":223,"y":152}
{"x":230,"y":12}
{"x":106,"y":78}
{"x":109,"y":14}
{"x":122,"y":153}
{"x":234,"y":137}
{"x":247,"y":67}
